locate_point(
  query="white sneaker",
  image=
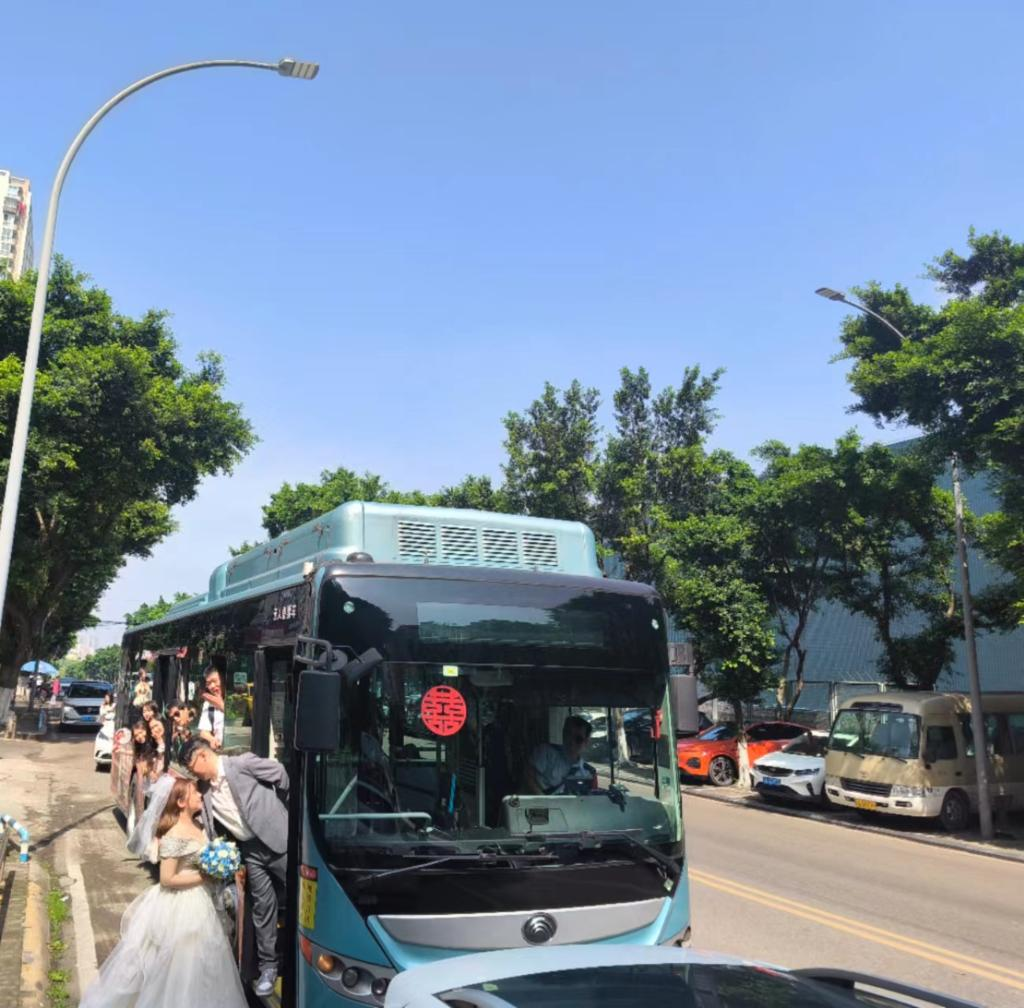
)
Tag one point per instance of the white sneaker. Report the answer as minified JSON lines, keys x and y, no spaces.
{"x":264,"y":986}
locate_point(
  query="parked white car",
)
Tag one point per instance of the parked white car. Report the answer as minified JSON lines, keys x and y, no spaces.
{"x":81,"y":701}
{"x":103,"y":750}
{"x":630,"y":976}
{"x":796,"y":771}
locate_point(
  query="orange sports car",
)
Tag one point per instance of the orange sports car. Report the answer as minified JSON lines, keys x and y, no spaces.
{"x":714,"y":753}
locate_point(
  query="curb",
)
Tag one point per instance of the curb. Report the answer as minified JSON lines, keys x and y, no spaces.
{"x":34,"y":954}
{"x":793,"y":813}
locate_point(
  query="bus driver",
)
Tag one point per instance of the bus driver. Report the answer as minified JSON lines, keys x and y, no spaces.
{"x":555,"y":769}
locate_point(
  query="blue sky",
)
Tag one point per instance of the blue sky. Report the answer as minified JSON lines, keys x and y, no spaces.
{"x":475,"y":198}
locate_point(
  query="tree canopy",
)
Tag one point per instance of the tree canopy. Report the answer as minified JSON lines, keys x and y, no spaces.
{"x":121,"y":432}
{"x":149,"y":611}
{"x":959,"y":377}
{"x":102,"y":664}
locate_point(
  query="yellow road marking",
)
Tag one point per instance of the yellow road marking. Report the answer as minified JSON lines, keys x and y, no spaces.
{"x":903,"y":943}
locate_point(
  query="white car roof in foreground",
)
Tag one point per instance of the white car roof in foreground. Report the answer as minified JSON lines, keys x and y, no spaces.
{"x":463,"y":971}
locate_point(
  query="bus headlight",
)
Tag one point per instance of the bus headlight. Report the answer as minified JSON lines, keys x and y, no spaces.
{"x":368,"y":982}
{"x":832,"y":782}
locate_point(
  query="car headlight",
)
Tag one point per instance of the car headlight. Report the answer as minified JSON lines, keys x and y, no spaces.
{"x":804,"y":773}
{"x":70,"y":712}
{"x":906,"y":791}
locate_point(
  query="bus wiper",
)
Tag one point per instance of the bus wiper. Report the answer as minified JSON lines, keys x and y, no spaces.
{"x":588,"y":840}
{"x":893,"y":755}
{"x":480,"y":857}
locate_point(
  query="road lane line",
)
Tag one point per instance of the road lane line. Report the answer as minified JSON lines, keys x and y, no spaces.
{"x":867,"y":936}
{"x":947,"y":958}
{"x":741,"y":889}
{"x":85,"y":939}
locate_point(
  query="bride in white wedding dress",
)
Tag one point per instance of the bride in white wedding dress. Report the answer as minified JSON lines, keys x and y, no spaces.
{"x":173,"y":950}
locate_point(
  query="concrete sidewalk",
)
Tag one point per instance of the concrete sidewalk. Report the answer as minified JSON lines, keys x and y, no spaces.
{"x":1006,"y":849}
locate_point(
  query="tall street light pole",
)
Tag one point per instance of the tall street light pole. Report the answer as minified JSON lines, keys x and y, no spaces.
{"x":12,"y":490}
{"x":974,"y":680}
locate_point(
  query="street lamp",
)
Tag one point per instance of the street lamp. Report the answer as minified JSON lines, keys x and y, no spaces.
{"x":977,"y":718}
{"x":834,"y":295}
{"x":12,"y":491}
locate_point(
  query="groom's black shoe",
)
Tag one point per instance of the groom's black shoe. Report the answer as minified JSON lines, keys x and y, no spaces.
{"x":264,"y":986}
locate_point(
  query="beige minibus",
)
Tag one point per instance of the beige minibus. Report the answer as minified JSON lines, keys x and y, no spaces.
{"x":912,"y":754}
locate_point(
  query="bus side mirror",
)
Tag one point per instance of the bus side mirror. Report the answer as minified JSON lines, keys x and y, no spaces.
{"x":682,"y":699}
{"x":318,"y":711}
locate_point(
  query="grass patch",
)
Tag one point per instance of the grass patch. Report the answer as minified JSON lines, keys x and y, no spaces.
{"x":58,"y":910}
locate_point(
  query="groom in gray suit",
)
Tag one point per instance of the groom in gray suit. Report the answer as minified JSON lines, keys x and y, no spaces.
{"x":248,"y":797}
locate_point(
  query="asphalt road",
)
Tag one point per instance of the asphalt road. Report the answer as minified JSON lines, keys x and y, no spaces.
{"x":800,"y":893}
{"x":783,"y":890}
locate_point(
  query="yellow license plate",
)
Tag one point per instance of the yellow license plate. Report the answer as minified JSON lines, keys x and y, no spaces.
{"x":865,"y":804}
{"x":307,"y":903}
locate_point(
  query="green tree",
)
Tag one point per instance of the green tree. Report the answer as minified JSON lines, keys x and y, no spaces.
{"x":959,"y":377}
{"x":896,"y":566}
{"x":552,"y":449}
{"x":801,"y":519}
{"x":291,"y":506}
{"x":677,"y":517}
{"x":121,"y":432}
{"x":474,"y":492}
{"x":149,"y":611}
{"x":102,"y":664}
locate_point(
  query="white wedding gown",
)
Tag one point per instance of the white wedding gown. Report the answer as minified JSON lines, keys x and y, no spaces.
{"x":173,"y":950}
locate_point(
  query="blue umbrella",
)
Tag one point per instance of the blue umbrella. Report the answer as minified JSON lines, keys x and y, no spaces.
{"x":45,"y":667}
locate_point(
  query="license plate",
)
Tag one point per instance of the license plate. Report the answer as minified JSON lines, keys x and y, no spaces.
{"x":88,"y":717}
{"x":865,"y":804}
{"x":771,"y":781}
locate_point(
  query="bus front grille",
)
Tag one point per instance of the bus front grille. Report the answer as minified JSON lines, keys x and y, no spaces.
{"x":866,"y":787}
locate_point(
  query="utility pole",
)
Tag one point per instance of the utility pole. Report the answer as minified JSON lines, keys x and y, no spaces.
{"x":977,"y":717}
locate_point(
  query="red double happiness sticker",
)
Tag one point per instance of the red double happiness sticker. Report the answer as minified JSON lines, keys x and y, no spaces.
{"x":443,"y":709}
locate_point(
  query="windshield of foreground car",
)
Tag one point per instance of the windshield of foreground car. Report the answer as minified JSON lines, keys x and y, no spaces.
{"x":868,"y":731}
{"x":718,"y":733}
{"x":641,"y":986}
{"x":471,"y":758}
{"x":83,"y":691}
{"x":807,"y":745}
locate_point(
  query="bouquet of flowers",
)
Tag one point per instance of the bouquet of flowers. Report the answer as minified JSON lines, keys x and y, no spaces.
{"x":220,"y":859}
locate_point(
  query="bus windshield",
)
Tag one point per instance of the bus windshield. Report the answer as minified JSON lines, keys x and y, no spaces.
{"x":505,"y":717}
{"x":876,"y":731}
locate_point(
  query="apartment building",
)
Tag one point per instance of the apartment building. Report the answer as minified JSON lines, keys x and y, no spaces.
{"x":16,"y":251}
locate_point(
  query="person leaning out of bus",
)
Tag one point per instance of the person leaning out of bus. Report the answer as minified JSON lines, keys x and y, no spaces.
{"x":559,"y":769}
{"x":180,"y":716}
{"x":142,"y":693}
{"x":247,"y":797}
{"x":161,"y":747}
{"x":211,"y":714}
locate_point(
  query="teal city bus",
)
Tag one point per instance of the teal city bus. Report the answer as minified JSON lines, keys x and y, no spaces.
{"x":412,"y":667}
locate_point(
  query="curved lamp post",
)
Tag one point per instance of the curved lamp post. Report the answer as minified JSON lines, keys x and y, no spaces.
{"x":12,"y":491}
{"x":974,"y":680}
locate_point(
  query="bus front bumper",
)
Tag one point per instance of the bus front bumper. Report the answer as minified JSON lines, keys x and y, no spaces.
{"x":923,"y":803}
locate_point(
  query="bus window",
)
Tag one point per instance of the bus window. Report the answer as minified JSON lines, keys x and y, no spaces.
{"x":238,"y":703}
{"x":994,"y":737}
{"x":1015,"y":724}
{"x":940,"y":743}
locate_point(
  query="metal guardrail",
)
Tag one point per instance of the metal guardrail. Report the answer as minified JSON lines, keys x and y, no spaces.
{"x":12,"y":826}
